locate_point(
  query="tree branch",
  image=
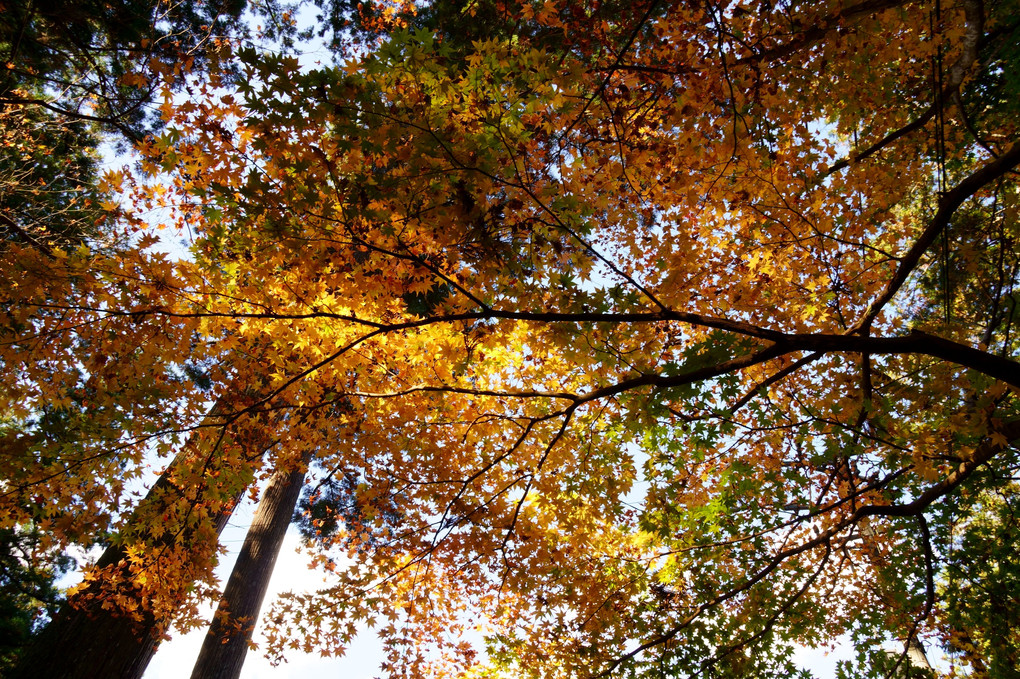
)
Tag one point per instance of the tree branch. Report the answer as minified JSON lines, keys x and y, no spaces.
{"x":948,"y":203}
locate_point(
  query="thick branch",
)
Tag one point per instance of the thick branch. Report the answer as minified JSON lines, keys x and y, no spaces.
{"x":38,"y":244}
{"x":949,"y":202}
{"x":916,"y":342}
{"x":974,"y":16}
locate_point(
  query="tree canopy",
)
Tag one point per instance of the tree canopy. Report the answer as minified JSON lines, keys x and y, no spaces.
{"x":639,"y":339}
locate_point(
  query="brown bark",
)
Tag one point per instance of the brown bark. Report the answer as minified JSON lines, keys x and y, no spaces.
{"x":226,"y":644}
{"x":93,"y":635}
{"x":87,"y":640}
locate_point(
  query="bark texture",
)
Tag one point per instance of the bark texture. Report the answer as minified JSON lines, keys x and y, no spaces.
{"x":226,"y":644}
{"x":93,"y":636}
{"x":87,"y":640}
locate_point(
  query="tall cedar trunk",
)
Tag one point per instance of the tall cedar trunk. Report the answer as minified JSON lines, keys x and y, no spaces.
{"x":226,"y":644}
{"x":85,"y":640}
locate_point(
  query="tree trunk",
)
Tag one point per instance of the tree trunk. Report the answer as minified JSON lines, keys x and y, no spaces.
{"x":86,"y":640}
{"x":226,"y":644}
{"x":112,"y":631}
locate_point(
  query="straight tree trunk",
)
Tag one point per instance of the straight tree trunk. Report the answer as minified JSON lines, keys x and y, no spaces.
{"x":86,"y":640}
{"x":226,"y":644}
{"x":112,"y":632}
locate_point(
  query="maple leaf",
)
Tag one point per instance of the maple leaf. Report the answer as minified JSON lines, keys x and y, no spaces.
{"x":607,"y":346}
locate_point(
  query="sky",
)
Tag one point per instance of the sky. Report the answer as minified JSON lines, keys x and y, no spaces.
{"x":174,"y":659}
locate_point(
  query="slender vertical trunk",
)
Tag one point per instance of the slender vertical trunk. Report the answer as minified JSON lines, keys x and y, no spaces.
{"x":112,"y":630}
{"x":226,"y":644}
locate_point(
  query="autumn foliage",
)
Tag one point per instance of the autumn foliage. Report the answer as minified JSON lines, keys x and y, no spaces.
{"x":641,"y":338}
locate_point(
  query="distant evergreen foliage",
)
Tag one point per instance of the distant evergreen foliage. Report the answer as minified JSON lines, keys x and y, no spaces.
{"x":424,"y":304}
{"x":28,"y":595}
{"x":342,"y":502}
{"x":72,"y":56}
{"x":47,"y":179}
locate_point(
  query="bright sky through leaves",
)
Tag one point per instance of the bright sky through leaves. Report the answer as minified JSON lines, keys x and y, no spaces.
{"x":504,"y":266}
